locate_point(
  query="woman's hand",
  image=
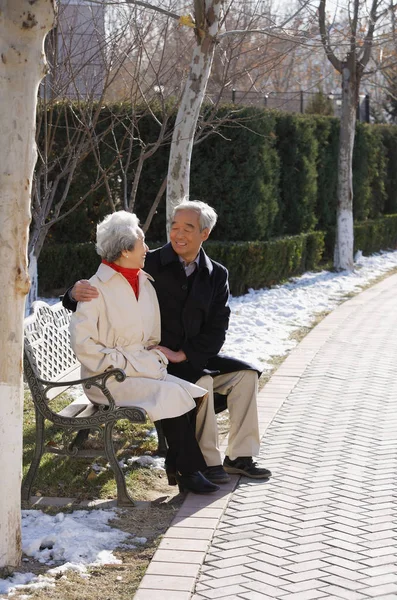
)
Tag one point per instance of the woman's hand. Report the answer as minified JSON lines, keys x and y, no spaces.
{"x":173,"y":357}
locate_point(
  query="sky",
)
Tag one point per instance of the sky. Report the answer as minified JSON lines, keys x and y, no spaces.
{"x":261,"y":325}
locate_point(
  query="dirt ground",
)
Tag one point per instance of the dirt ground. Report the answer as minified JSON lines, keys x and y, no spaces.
{"x":149,"y":519}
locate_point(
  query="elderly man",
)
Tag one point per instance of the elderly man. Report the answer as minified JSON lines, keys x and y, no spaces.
{"x":193,"y":294}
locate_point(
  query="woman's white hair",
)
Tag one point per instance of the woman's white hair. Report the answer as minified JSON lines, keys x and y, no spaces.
{"x":117,"y":232}
{"x":207,"y":215}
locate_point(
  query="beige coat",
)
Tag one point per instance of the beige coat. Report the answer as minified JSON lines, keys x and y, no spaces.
{"x":115,"y":330}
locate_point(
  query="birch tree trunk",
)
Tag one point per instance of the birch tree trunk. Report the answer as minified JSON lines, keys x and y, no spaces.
{"x":23,"y":27}
{"x":344,"y":241}
{"x":356,"y":48}
{"x":207,"y":21}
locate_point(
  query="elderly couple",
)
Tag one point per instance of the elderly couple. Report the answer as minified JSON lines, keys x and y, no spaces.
{"x":173,"y":361}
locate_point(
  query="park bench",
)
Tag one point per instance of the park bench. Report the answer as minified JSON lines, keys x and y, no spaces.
{"x":50,"y":369}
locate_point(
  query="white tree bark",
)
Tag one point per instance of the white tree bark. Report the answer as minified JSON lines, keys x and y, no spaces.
{"x":23,"y":27}
{"x":344,"y":240}
{"x":207,"y":19}
{"x":357,"y":51}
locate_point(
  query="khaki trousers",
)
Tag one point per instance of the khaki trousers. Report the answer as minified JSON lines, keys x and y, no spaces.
{"x":241,"y":388}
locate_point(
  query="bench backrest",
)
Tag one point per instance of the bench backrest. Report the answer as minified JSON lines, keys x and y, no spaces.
{"x":47,"y":347}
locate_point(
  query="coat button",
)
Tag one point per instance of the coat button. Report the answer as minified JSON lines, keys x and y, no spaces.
{"x":184,"y":287}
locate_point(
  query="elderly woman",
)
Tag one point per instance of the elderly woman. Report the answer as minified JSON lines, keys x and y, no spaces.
{"x":119,"y":329}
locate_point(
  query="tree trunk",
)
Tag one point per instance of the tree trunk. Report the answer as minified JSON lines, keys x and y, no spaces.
{"x":33,"y":278}
{"x":207,"y":28}
{"x":344,"y":241}
{"x":23,"y":27}
{"x":35,"y":245}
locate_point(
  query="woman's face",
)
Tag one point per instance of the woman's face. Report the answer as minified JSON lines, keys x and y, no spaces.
{"x":135,"y":259}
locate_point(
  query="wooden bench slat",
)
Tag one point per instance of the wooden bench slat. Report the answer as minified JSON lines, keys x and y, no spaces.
{"x":77,"y":407}
{"x":89,"y":411}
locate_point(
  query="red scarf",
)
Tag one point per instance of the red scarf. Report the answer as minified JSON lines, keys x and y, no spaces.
{"x":131,"y":275}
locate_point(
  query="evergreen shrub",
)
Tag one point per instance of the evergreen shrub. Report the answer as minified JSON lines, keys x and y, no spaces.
{"x":378,"y":173}
{"x":297,"y":147}
{"x":250,"y":264}
{"x":266,"y":173}
{"x":375,"y":235}
{"x":369,"y":173}
{"x":370,"y":236}
{"x":320,"y":104}
{"x":327,"y":135}
{"x":389,"y":141}
{"x":237,"y":172}
{"x":260,"y":264}
{"x":61,"y":265}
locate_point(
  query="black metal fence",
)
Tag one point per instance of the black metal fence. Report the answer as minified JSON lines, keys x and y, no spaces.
{"x":297,"y":101}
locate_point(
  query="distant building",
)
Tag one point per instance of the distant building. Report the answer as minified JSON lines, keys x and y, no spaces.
{"x":76,"y":51}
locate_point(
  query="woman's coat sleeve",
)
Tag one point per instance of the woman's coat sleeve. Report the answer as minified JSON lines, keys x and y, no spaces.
{"x":84,"y":335}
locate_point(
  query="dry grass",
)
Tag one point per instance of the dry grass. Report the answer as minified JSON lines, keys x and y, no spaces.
{"x":78,"y":478}
{"x":157,"y":504}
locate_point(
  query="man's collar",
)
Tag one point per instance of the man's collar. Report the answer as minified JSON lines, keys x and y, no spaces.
{"x":168,"y":255}
{"x":196,"y":260}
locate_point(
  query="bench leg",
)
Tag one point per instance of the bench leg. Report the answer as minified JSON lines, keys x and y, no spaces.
{"x":80,"y":438}
{"x":162,"y":446}
{"x":123,"y":498}
{"x":34,"y":465}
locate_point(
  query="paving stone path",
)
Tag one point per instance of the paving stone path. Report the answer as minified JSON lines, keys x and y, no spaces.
{"x":325,"y":525}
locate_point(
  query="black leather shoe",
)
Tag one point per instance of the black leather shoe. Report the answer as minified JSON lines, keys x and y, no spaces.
{"x":244,"y":465}
{"x":196,"y":483}
{"x":216,"y":474}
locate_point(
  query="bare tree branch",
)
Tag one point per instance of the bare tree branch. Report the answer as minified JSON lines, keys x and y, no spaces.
{"x":158,"y":9}
{"x":367,"y":47}
{"x":353,"y":26}
{"x":154,"y":206}
{"x":325,"y":38}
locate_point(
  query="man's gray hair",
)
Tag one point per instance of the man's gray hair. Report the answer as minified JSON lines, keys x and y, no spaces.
{"x":207,"y":215}
{"x":117,"y":232}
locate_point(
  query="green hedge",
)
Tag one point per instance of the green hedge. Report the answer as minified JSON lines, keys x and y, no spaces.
{"x":369,"y":237}
{"x":60,"y":265}
{"x":238,"y":173}
{"x":375,"y":235}
{"x":389,"y":140}
{"x":250,"y":264}
{"x":266,"y":173}
{"x":369,"y":173}
{"x":327,"y":134}
{"x":262,"y":264}
{"x":298,"y":150}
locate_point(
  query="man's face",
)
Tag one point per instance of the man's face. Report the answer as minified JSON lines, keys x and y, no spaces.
{"x":185,"y":236}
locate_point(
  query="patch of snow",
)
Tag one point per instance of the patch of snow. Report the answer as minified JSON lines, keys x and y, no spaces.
{"x":77,"y":540}
{"x":152,"y":462}
{"x":262,"y":321}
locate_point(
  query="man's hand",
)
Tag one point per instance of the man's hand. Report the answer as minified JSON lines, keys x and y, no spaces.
{"x":83,"y":291}
{"x":173,"y":357}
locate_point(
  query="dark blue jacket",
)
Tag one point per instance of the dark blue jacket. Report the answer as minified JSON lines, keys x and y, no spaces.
{"x":194,"y":320}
